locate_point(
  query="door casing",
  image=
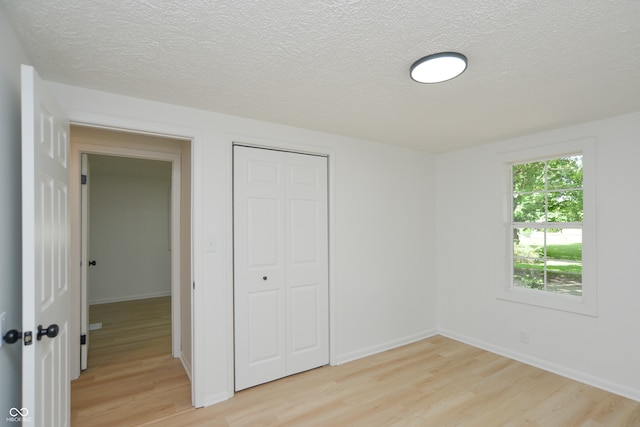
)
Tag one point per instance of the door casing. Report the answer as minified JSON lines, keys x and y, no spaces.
{"x":77,"y":149}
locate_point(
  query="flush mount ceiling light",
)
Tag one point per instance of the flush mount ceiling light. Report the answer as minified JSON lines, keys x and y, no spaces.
{"x":438,"y":67}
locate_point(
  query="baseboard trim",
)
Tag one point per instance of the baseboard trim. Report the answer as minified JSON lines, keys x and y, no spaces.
{"x":186,"y":365}
{"x":369,"y":351}
{"x":130,"y":298}
{"x":563,"y":371}
{"x":215,"y":398}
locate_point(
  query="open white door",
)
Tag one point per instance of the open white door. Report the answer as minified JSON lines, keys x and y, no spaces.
{"x":45,"y":257}
{"x":84,"y":262}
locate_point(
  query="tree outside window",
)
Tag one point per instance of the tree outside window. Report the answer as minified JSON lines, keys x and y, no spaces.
{"x":547,"y":220}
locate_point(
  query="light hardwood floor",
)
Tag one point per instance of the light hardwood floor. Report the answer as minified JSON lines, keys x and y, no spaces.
{"x":132,"y":377}
{"x":434,"y":382}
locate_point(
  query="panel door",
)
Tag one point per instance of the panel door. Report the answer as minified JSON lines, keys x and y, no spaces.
{"x":280,"y":264}
{"x":306,"y":255}
{"x":45,"y":257}
{"x":259,"y":286}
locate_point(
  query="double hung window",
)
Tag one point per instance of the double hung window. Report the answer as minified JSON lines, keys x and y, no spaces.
{"x":548,"y":226}
{"x":547,"y":214}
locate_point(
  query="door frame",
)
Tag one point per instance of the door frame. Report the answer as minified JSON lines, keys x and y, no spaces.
{"x":299,"y":148}
{"x":120,"y":124}
{"x":76,"y":151}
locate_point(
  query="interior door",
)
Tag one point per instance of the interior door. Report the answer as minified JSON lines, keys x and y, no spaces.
{"x":84,"y":261}
{"x":307,"y":262}
{"x":45,"y":256}
{"x":259,"y":266}
{"x":280,"y":264}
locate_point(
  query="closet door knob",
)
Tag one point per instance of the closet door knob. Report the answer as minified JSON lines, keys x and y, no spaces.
{"x":51,"y":331}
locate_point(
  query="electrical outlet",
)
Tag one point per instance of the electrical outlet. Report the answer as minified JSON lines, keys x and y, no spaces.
{"x":524,"y":337}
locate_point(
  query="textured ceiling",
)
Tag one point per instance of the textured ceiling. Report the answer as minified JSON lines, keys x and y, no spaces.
{"x":342,"y":66}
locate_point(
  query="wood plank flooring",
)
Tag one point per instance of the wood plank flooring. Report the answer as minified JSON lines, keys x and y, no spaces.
{"x":434,"y":382}
{"x":132,"y":377}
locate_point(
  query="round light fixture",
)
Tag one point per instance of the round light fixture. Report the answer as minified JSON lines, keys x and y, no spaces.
{"x":438,"y":67}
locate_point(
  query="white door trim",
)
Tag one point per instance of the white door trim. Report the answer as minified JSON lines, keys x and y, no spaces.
{"x":198,"y":305}
{"x":78,"y":149}
{"x":175,"y":159}
{"x":293,"y":147}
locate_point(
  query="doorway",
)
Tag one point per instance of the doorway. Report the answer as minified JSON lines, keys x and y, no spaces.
{"x":139,"y":154}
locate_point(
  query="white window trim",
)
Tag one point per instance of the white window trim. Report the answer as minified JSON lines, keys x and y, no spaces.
{"x":585,"y":304}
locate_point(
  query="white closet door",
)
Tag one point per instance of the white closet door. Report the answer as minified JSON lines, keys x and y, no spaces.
{"x":307,"y":272}
{"x":280,"y":264}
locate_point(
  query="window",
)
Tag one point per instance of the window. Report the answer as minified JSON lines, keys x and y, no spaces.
{"x":547,"y":202}
{"x":546,"y":224}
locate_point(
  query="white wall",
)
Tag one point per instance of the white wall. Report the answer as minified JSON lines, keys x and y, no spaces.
{"x":129,"y":236}
{"x":602,"y":350}
{"x":383,"y":268}
{"x":11,"y":56}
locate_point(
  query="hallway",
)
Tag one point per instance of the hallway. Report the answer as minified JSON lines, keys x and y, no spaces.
{"x":132,"y":377}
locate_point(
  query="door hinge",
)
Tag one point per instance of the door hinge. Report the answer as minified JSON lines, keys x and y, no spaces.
{"x":194,"y":285}
{"x":83,"y":179}
{"x":83,"y":339}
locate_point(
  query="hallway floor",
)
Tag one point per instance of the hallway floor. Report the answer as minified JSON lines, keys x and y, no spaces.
{"x":132,"y":378}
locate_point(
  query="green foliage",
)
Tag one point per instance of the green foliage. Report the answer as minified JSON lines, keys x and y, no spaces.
{"x":548,"y":191}
{"x":570,"y":252}
{"x":566,"y":268}
{"x":528,"y":279}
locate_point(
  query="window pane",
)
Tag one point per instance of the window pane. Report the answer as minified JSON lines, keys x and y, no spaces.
{"x":565,"y":206}
{"x":528,"y":177}
{"x":565,"y":244}
{"x":564,"y":173}
{"x":564,"y":261}
{"x":528,"y":207}
{"x":528,"y":243}
{"x":565,"y":279}
{"x":528,"y":273}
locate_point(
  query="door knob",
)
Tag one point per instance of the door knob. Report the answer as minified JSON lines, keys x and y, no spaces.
{"x":51,"y":331}
{"x":14,"y":335}
{"x":92,"y":262}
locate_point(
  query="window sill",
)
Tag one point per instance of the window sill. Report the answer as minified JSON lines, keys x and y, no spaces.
{"x":568,"y":303}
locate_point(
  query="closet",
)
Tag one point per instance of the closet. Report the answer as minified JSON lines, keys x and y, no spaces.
{"x":281,"y":271}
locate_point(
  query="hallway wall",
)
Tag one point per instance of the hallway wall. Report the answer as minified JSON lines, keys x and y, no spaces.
{"x":129,"y":229}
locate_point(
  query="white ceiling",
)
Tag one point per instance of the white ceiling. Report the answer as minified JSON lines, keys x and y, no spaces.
{"x":343,"y":66}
